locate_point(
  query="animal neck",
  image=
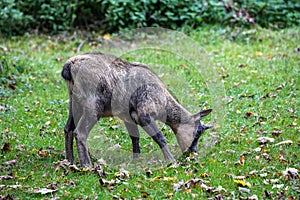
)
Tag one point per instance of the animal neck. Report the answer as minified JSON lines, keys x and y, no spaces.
{"x":176,"y":114}
{"x":178,"y":118}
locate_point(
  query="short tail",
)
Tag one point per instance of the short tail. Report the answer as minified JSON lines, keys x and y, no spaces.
{"x":66,"y":72}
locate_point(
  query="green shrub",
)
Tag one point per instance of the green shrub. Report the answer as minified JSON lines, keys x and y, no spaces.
{"x":53,"y":16}
{"x":12,"y":20}
{"x":50,"y":15}
{"x":278,"y":13}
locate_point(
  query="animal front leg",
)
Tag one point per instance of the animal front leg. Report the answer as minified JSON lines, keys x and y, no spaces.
{"x":148,"y":124}
{"x":85,"y":124}
{"x":135,"y":138}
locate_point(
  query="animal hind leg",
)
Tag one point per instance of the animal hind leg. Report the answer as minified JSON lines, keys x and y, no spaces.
{"x":83,"y":128}
{"x":69,"y":138}
{"x":69,"y":132}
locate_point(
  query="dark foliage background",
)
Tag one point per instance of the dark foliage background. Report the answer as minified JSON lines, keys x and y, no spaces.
{"x":53,"y":16}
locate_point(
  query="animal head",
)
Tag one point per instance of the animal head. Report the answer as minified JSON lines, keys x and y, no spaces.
{"x":188,"y":133}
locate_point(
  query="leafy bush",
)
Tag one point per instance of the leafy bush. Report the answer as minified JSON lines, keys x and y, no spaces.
{"x":278,"y":13}
{"x":172,"y":14}
{"x":50,"y":15}
{"x":12,"y":18}
{"x":114,"y":15}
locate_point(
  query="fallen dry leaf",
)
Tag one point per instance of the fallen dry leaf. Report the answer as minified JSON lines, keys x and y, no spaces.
{"x":43,"y":153}
{"x":122,"y":174}
{"x":207,"y":188}
{"x":5,"y":177}
{"x":148,"y":172}
{"x":7,"y":196}
{"x":169,"y":195}
{"x":284,"y":142}
{"x":44,"y":191}
{"x":62,"y":164}
{"x":104,"y":182}
{"x":99,"y":171}
{"x":242,"y":183}
{"x":170,"y":178}
{"x":244,"y":190}
{"x":219,"y":189}
{"x":74,"y":168}
{"x":144,"y":194}
{"x":291,"y":173}
{"x":253,"y":197}
{"x":253,"y":172}
{"x":276,"y":133}
{"x":264,"y":140}
{"x":15,"y":186}
{"x":278,"y":186}
{"x":157,"y":178}
{"x":10,"y":162}
{"x":218,"y":197}
{"x":263,"y":175}
{"x":178,"y":186}
{"x":267,"y":194}
{"x":204,"y":175}
{"x":242,"y":160}
{"x":6,"y":146}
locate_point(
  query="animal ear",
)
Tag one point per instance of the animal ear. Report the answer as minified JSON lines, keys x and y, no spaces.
{"x":201,"y":114}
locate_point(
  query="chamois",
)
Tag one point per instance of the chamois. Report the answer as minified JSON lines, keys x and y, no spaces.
{"x":102,"y":85}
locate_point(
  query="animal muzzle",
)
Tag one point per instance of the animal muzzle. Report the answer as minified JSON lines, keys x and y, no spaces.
{"x":197,"y":134}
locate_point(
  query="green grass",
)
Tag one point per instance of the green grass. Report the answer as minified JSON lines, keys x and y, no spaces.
{"x":260,"y":74}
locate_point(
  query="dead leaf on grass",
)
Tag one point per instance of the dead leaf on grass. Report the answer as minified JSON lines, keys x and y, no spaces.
{"x":122,"y":174}
{"x":249,"y":114}
{"x":263,"y":175}
{"x":169,"y":195}
{"x":157,"y":178}
{"x":291,"y":173}
{"x":160,"y":178}
{"x":110,"y":184}
{"x":253,"y":197}
{"x":145,"y":194}
{"x":7,"y":177}
{"x":7,"y":197}
{"x":244,"y":190}
{"x":62,"y":164}
{"x":267,"y":194}
{"x":178,"y":186}
{"x":44,"y":191}
{"x":10,"y":162}
{"x":265,"y":140}
{"x":148,"y":172}
{"x":288,"y":142}
{"x":242,"y":183}
{"x":276,"y":133}
{"x":277,"y":186}
{"x":242,"y":160}
{"x":99,"y":171}
{"x":6,"y":147}
{"x":43,"y":153}
{"x":253,"y":172}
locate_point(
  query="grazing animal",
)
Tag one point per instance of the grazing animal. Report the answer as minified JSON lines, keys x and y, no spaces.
{"x":102,"y":85}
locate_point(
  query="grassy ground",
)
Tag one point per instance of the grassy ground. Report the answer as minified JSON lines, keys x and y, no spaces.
{"x":260,"y":71}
